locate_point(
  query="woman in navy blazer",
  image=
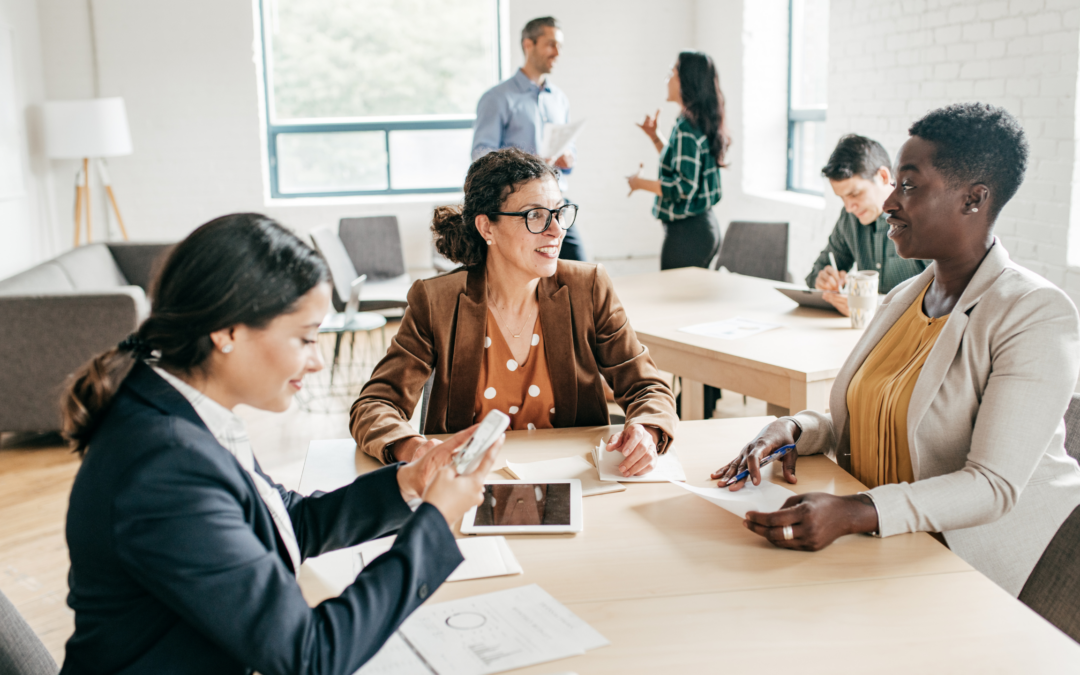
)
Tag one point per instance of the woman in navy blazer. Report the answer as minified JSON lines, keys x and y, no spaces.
{"x":183,"y":553}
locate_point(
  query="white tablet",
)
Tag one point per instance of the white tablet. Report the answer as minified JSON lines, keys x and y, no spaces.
{"x":527,"y":507}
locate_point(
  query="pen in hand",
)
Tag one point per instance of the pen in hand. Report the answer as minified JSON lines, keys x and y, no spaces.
{"x":776,"y":454}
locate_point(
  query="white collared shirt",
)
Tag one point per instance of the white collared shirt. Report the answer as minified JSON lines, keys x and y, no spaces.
{"x":230,"y":432}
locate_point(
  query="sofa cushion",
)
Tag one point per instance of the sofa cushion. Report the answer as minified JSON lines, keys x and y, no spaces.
{"x":92,"y":268}
{"x":43,"y":279}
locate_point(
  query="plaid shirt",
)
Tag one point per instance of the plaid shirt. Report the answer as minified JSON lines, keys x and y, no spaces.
{"x":869,"y":246}
{"x":689,"y":176}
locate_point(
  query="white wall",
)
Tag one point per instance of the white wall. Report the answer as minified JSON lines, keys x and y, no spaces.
{"x":26,"y":221}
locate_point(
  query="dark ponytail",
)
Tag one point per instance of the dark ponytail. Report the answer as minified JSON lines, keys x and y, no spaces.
{"x":703,"y":101}
{"x":241,"y":269}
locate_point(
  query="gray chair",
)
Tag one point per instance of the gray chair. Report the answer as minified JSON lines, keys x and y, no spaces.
{"x":425,"y":400}
{"x":57,"y":315}
{"x":755,"y":249}
{"x":21,"y":651}
{"x":374,"y":247}
{"x":1072,"y":428}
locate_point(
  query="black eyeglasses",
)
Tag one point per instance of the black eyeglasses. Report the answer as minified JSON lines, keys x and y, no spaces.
{"x":539,"y":219}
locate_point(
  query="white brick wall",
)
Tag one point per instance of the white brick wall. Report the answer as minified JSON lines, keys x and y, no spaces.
{"x":892,"y":61}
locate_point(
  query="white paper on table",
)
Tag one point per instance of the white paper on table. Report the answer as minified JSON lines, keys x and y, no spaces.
{"x":767,"y":497}
{"x":668,"y":467}
{"x":498,"y":631}
{"x":730,"y":329}
{"x":396,"y":657}
{"x":557,"y":138}
{"x":561,"y":469}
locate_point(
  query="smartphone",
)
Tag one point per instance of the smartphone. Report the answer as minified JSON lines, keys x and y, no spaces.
{"x":469,"y":457}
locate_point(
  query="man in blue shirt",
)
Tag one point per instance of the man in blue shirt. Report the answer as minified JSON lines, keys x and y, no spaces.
{"x":514,"y":112}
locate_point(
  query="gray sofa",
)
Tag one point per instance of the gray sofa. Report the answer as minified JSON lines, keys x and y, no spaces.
{"x":55,"y":316}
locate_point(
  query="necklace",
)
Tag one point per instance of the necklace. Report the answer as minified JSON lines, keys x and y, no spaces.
{"x":503,"y":319}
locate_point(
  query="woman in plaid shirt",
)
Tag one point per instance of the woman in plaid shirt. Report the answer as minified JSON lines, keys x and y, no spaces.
{"x":690,"y":162}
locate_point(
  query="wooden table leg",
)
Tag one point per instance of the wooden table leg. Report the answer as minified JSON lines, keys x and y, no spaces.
{"x":693,"y":400}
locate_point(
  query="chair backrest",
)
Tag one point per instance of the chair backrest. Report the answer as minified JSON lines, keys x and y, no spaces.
{"x":425,"y":400}
{"x":1053,"y":588}
{"x":341,"y":267}
{"x":21,"y":651}
{"x":353,"y":304}
{"x":1072,"y":428}
{"x":755,"y":249}
{"x":374,"y":245}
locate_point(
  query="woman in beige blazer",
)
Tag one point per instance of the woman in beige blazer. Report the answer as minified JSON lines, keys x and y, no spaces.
{"x":560,"y":318}
{"x":984,"y":428}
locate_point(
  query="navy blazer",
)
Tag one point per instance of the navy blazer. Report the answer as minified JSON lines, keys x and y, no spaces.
{"x":176,"y":566}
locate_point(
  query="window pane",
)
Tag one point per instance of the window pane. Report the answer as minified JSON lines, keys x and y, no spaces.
{"x":332,"y":162}
{"x":429,"y":159}
{"x":361,"y":58}
{"x":809,"y":53}
{"x":809,"y":154}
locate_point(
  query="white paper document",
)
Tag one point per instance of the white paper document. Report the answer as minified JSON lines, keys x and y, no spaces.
{"x":484,"y":557}
{"x":561,"y":469}
{"x":767,"y":497}
{"x":730,"y":329}
{"x":557,"y":139}
{"x":488,"y":633}
{"x":668,"y":467}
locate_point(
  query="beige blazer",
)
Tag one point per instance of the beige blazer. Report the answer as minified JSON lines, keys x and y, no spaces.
{"x":985,"y":424}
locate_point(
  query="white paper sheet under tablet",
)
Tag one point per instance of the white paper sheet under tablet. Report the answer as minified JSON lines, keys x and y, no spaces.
{"x":730,"y":329}
{"x":561,"y":469}
{"x":668,"y":467}
{"x":767,"y":497}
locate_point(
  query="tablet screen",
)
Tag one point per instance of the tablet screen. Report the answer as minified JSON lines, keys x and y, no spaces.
{"x":524,"y":504}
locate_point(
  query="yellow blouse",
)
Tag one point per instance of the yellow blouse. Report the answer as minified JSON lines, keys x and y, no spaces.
{"x":521,"y":390}
{"x":880,"y":393}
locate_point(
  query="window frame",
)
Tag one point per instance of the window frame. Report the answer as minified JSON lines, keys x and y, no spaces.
{"x":383,"y":124}
{"x":797,"y":115}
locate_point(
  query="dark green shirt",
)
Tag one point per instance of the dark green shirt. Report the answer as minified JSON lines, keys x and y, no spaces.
{"x":869,"y":246}
{"x":689,"y":176}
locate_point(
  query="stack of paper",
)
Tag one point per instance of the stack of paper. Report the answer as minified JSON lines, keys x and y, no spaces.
{"x":485,"y":634}
{"x":668,"y":467}
{"x":766,"y":498}
{"x":730,"y":329}
{"x":561,"y":469}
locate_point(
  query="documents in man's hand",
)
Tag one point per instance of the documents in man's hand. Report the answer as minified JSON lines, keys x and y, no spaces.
{"x":730,"y":329}
{"x":668,"y":467}
{"x":484,"y":634}
{"x":767,"y":497}
{"x":562,"y":468}
{"x":484,"y":557}
{"x":556,"y":139}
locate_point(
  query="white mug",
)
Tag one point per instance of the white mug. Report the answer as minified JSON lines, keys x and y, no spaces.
{"x":862,"y":297}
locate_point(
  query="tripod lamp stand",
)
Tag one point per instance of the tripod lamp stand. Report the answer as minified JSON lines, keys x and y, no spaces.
{"x":90,"y":129}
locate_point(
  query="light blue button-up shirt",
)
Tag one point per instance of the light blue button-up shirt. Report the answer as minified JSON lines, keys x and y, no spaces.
{"x":513,"y":114}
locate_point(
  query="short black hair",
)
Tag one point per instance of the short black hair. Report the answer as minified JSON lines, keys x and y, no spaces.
{"x":855,"y":155}
{"x":535,"y":28}
{"x":977,"y":143}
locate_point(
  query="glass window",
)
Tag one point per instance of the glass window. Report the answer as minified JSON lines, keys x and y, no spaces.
{"x":808,"y":77}
{"x":374,"y":97}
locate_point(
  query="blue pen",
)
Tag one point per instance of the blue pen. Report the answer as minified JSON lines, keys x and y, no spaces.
{"x":780,"y":452}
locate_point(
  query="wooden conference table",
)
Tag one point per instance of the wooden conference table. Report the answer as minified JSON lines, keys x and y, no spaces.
{"x":674,"y":581}
{"x":791,"y":367}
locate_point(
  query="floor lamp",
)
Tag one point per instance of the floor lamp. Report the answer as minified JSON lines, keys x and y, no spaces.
{"x":90,"y":129}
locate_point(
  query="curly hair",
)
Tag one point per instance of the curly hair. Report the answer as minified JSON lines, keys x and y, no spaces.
{"x":856,"y":155}
{"x":977,"y":143}
{"x":491,"y":179}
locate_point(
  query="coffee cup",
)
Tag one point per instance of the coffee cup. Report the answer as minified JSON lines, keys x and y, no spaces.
{"x":862,"y":297}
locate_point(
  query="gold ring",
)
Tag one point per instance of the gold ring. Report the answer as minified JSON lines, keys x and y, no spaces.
{"x":789,"y":534}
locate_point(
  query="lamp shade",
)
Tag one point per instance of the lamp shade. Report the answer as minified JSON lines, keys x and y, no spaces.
{"x":92,"y":128}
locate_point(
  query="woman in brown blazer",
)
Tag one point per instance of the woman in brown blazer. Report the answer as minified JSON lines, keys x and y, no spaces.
{"x":515,"y":329}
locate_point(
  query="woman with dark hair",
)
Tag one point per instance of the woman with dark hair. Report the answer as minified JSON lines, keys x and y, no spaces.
{"x":515,"y":329}
{"x":689,"y":184}
{"x":184,"y":554}
{"x":950,"y":407}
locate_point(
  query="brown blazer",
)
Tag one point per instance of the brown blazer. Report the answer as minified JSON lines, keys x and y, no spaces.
{"x":586,"y":336}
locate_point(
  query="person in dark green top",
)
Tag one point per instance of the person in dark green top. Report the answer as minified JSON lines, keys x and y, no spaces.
{"x":689,"y":184}
{"x":858,"y":171}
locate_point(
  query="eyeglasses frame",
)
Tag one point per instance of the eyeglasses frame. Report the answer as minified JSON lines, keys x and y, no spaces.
{"x":551,"y":214}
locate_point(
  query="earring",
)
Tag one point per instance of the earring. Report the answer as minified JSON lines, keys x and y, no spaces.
{"x":489,"y":242}
{"x":975,"y":210}
{"x":226,"y":349}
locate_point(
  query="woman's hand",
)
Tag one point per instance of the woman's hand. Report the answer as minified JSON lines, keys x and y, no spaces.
{"x":775,"y":435}
{"x":815,"y":519}
{"x":636,"y":182}
{"x":452,"y":494}
{"x":430,"y":456}
{"x":649,"y":126}
{"x":405,"y":449}
{"x":637,"y":443}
